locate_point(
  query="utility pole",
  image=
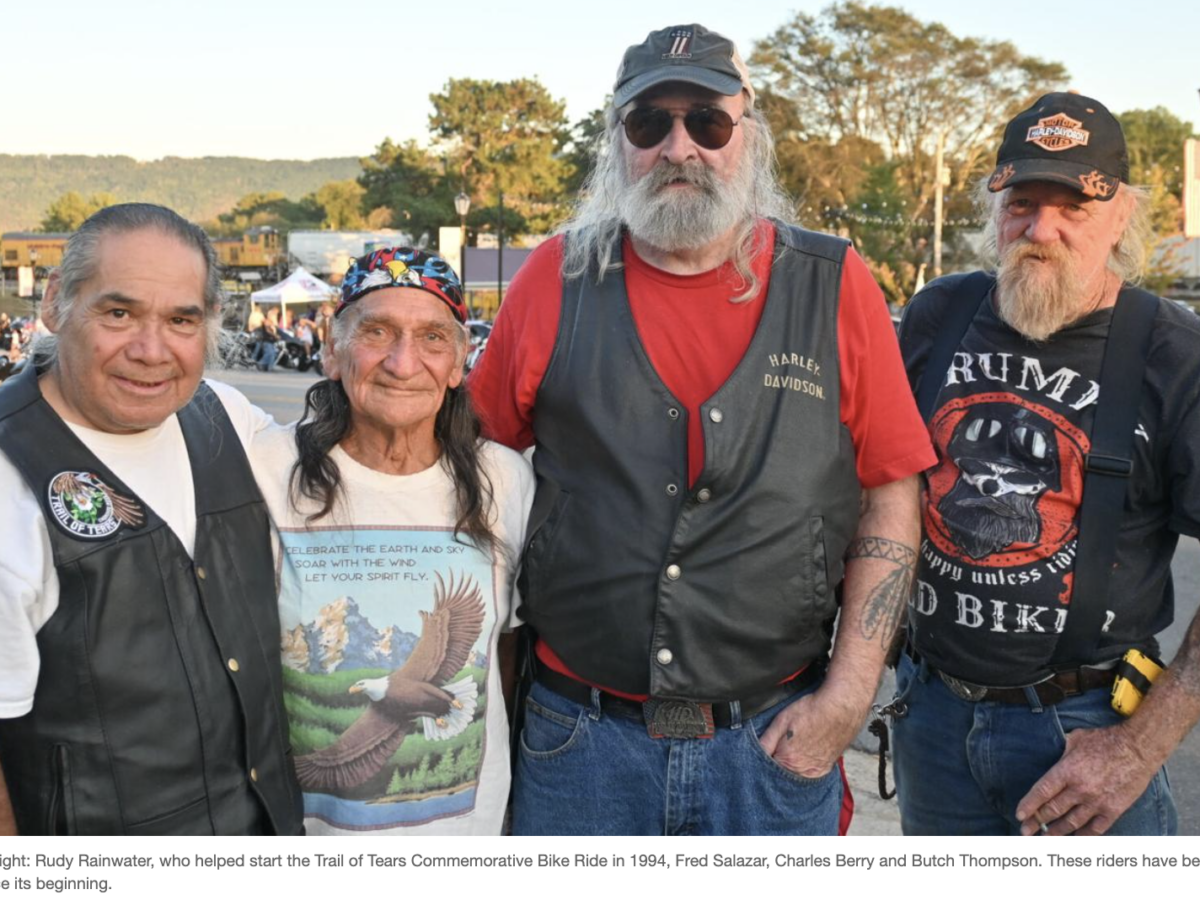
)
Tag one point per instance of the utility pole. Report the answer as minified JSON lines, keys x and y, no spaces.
{"x":500,"y":253}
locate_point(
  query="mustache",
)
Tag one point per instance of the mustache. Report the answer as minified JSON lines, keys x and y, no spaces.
{"x":1023,"y":249}
{"x":666,"y":173}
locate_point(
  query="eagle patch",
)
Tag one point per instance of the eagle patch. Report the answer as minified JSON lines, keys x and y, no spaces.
{"x":85,"y":507}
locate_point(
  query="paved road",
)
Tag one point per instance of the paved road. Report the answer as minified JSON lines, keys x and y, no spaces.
{"x":281,"y":393}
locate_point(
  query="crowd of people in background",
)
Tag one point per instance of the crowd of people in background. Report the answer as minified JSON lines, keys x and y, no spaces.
{"x":305,"y":330}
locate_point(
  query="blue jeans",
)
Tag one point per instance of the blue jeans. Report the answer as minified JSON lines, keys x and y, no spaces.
{"x":962,"y":767}
{"x":266,"y":354}
{"x":581,"y":771}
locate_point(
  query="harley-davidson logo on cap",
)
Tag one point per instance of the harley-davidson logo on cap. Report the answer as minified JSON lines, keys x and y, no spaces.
{"x":1058,"y":132}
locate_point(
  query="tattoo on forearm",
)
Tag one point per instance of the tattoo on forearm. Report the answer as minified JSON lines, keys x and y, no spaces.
{"x":888,"y":597}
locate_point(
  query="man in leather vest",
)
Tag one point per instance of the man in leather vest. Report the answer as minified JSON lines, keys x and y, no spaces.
{"x":725,"y":459}
{"x":140,"y":687}
{"x":1021,"y":624}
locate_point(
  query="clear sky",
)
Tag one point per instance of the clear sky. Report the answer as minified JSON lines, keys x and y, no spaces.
{"x":304,"y":79}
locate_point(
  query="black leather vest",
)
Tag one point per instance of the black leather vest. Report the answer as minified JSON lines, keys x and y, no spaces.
{"x":159,"y":703}
{"x":719,"y":591}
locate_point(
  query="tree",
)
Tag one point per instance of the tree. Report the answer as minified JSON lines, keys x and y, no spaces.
{"x":1155,"y":139}
{"x":396,"y":783}
{"x":585,"y":138}
{"x":404,"y":186}
{"x":342,"y":202}
{"x":269,"y":208}
{"x":71,"y":210}
{"x":857,"y":87}
{"x":505,"y":136}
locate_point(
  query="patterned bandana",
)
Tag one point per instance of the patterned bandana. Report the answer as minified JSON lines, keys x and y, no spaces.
{"x":403,"y":267}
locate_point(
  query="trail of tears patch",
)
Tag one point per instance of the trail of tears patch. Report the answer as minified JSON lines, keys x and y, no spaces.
{"x":85,"y":507}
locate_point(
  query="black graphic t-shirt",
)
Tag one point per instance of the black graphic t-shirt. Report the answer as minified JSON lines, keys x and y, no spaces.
{"x":1000,"y":509}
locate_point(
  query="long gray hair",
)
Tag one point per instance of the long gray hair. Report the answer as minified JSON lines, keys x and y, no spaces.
{"x":591,"y":234}
{"x":81,"y":259}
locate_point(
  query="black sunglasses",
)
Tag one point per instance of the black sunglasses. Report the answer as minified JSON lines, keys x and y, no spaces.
{"x":647,"y":126}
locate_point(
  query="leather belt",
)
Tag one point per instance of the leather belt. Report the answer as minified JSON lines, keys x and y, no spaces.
{"x":1054,"y":689}
{"x":668,"y":718}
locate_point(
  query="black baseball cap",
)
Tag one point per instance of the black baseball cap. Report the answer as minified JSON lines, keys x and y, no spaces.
{"x":689,"y":53}
{"x":1067,"y":139}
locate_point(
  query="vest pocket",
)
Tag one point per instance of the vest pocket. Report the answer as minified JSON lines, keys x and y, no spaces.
{"x":542,"y":546}
{"x":191,"y":819}
{"x":60,"y":812}
{"x":817,"y":569}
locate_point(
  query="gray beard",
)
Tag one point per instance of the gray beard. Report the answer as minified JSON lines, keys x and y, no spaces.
{"x":673,"y":219}
{"x":1037,"y":299}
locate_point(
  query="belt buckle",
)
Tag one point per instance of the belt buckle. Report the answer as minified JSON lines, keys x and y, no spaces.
{"x":683,"y":719}
{"x":964,"y":690}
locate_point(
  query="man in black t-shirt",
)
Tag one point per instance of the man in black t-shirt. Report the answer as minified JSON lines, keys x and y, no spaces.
{"x":1001,"y":736}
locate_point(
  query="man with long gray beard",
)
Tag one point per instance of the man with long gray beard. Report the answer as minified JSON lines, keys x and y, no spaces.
{"x":1027,"y":681}
{"x":726,"y":454}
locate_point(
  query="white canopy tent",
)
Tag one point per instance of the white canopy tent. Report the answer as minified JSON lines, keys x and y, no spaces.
{"x":300,"y":287}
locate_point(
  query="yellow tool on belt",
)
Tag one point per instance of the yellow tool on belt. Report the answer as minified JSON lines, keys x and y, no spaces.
{"x":1136,"y":672}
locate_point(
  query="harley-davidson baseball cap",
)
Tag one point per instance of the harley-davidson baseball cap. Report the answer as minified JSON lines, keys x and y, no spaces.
{"x":1067,"y":139}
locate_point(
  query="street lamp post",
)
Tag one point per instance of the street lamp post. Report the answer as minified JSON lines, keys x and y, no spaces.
{"x":462,"y":206}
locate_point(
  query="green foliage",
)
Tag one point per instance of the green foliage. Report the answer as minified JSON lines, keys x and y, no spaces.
{"x":320,"y":709}
{"x":405,"y":187}
{"x":1155,"y":140}
{"x":505,"y":137}
{"x":273,"y":209}
{"x":586,"y":135}
{"x":198,"y":189}
{"x":306,"y":738}
{"x":332,"y":718}
{"x":324,"y":686}
{"x":858,"y":85}
{"x":395,"y":783}
{"x":342,"y":202}
{"x":71,"y":210}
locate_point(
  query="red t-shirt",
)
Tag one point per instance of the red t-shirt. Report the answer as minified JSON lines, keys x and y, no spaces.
{"x":695,"y":338}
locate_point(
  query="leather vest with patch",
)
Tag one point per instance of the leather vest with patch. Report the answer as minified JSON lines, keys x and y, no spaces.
{"x":714,"y":592}
{"x":159,"y":703}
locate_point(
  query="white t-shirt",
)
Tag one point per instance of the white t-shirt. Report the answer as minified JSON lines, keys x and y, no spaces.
{"x":155,"y":466}
{"x":354,"y":591}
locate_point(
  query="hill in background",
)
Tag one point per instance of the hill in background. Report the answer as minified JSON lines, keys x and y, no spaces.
{"x":198,"y":189}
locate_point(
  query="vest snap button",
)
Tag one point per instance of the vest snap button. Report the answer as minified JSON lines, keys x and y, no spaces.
{"x":704,"y":495}
{"x":200,"y":573}
{"x":233,"y":664}
{"x":673,"y":572}
{"x":254,"y":775}
{"x":673,"y":413}
{"x":672,"y":490}
{"x":716,"y":415}
{"x":665,"y":656}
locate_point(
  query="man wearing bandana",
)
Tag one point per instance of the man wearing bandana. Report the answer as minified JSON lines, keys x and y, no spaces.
{"x":1008,"y":731}
{"x":397,"y":532}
